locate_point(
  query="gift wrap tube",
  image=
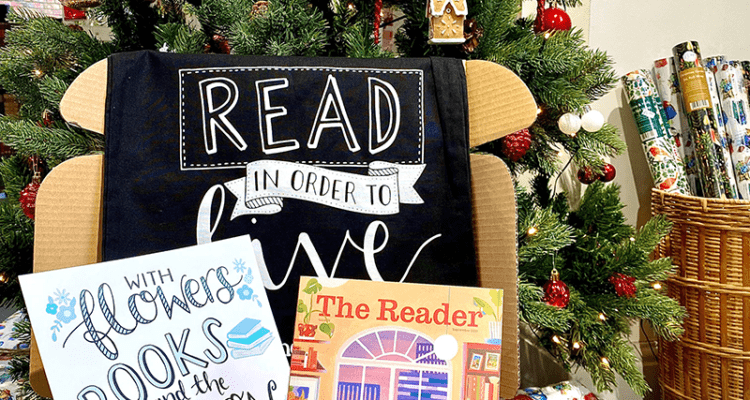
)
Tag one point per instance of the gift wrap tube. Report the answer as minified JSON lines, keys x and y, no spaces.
{"x":664,"y":162}
{"x":744,"y":67}
{"x":734,"y":106}
{"x":668,"y":86}
{"x":741,"y":82}
{"x":701,"y":119}
{"x":721,"y":139}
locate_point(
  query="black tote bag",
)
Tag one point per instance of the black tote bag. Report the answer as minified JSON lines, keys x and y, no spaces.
{"x":335,"y":167}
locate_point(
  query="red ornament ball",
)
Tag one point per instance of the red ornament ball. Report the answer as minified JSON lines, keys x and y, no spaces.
{"x":28,"y":199}
{"x":515,"y":145}
{"x":586,"y":175}
{"x":553,"y":19}
{"x":608,"y":173}
{"x":556,"y":292}
{"x":624,"y":284}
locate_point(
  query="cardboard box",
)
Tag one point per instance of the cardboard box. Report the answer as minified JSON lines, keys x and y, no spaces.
{"x":68,"y":208}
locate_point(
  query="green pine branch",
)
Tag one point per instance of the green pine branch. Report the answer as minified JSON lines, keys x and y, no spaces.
{"x":289,"y":27}
{"x":55,"y":144}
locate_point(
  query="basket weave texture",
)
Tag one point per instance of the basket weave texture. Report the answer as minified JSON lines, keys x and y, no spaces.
{"x":710,"y":248}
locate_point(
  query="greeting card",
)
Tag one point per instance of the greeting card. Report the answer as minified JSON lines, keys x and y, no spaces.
{"x":359,"y":339}
{"x":192,"y":323}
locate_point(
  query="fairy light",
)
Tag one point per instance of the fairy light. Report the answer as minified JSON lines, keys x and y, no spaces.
{"x":602,"y":317}
{"x":556,"y":339}
{"x":532,"y":231}
{"x":605,"y":362}
{"x":350,"y":6}
{"x":547,"y":35}
{"x":656,"y":286}
{"x":632,"y":239}
{"x":576,"y":346}
{"x":38,"y":73}
{"x":2,"y":277}
{"x":538,"y":110}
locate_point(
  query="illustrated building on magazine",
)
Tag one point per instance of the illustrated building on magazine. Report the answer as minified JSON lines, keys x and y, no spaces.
{"x":366,"y":340}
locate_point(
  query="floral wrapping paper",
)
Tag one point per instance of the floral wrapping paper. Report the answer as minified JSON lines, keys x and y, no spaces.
{"x":665,"y":163}
{"x":733,"y":96}
{"x":565,"y":390}
{"x":701,"y":120}
{"x":722,"y":137}
{"x":668,"y":85}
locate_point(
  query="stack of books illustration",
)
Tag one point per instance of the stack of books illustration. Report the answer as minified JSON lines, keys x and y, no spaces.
{"x":248,"y":338}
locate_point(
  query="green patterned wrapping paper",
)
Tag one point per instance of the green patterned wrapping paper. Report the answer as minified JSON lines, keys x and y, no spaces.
{"x":734,"y":105}
{"x":664,"y":162}
{"x":668,"y":85}
{"x":701,"y":119}
{"x":722,"y":139}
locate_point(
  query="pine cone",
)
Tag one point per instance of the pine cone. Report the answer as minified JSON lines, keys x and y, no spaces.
{"x":472,"y":33}
{"x":259,"y":8}
{"x":515,"y":145}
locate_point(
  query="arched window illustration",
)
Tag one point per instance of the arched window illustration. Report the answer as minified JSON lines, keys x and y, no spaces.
{"x":391,"y":363}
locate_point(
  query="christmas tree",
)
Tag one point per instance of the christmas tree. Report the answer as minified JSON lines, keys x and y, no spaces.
{"x":584,"y":273}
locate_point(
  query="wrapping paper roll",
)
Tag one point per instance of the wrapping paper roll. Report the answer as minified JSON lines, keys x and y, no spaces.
{"x":721,"y":138}
{"x":744,"y":67}
{"x":664,"y":162}
{"x":668,"y":85}
{"x":734,"y":105}
{"x":701,"y":119}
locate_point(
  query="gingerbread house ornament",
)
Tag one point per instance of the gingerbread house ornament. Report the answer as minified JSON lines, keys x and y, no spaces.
{"x":447,"y":21}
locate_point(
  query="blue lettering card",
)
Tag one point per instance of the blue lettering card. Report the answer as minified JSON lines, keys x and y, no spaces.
{"x":192,"y":323}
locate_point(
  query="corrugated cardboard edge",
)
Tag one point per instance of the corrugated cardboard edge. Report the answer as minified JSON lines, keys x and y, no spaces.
{"x":66,"y":231}
{"x":83,"y":103}
{"x":494,"y":207}
{"x":499,"y":102}
{"x":68,"y":222}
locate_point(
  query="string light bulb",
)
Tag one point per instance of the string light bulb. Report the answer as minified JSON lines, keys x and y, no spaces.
{"x":605,"y":362}
{"x":632,"y":239}
{"x":532,"y":231}
{"x":576,"y":346}
{"x":547,"y":35}
{"x":350,"y":6}
{"x":656,"y":286}
{"x":2,"y":277}
{"x":38,"y":73}
{"x":602,"y":317}
{"x":556,"y":339}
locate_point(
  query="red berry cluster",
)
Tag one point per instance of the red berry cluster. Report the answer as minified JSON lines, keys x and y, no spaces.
{"x":587,"y":176}
{"x":624,"y":284}
{"x":515,"y":145}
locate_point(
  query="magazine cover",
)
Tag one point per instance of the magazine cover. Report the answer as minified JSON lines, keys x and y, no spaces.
{"x":372,"y":340}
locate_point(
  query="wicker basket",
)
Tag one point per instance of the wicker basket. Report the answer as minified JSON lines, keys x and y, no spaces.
{"x":710,"y":247}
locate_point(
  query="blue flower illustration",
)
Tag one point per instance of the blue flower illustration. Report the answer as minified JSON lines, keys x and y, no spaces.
{"x":61,"y":296}
{"x":239,"y":266}
{"x":67,"y":313}
{"x":245,"y":292}
{"x":51,"y":308}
